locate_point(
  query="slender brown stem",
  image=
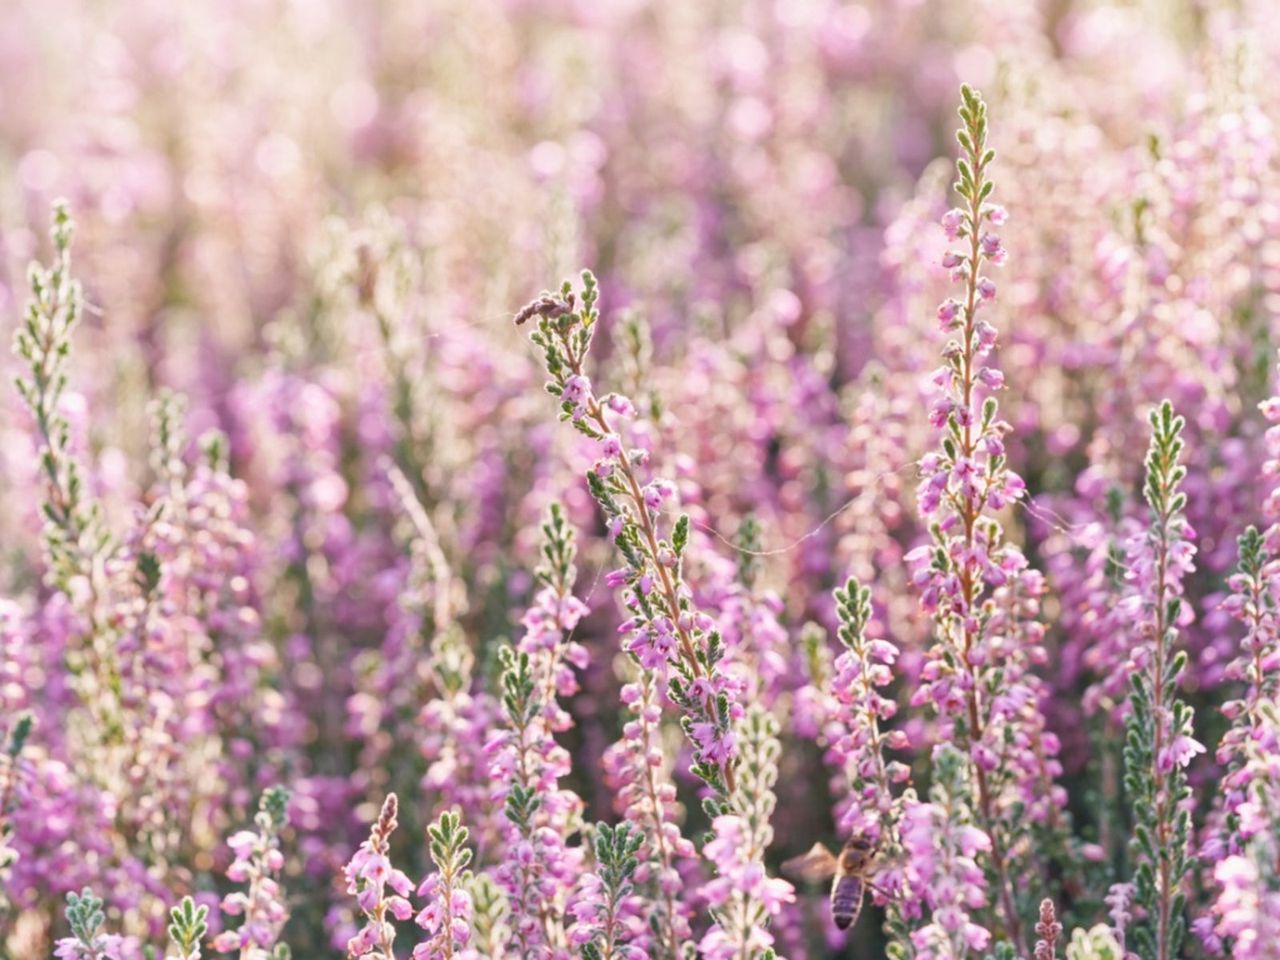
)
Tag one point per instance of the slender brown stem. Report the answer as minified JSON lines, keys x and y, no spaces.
{"x":1163,"y":840}
{"x":669,"y":594}
{"x":970,"y":586}
{"x":655,"y":801}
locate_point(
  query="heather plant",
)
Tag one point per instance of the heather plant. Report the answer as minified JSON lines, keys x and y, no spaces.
{"x":187,"y":927}
{"x":73,"y":534}
{"x":16,"y":739}
{"x":668,"y":635}
{"x":1158,"y":742}
{"x":369,"y":873}
{"x":258,"y":862}
{"x":600,"y":903}
{"x":448,"y":915}
{"x":978,"y":679}
{"x":305,"y":592}
{"x":743,"y":897}
{"x":85,"y":918}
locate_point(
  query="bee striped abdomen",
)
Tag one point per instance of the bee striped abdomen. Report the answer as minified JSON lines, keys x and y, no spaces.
{"x":846,"y":900}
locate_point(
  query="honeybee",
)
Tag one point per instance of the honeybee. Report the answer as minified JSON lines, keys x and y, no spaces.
{"x":849,"y":874}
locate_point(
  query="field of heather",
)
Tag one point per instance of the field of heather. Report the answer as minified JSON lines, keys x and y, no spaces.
{"x":639,"y":480}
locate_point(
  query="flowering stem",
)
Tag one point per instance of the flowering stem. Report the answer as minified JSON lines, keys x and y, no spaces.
{"x":43,"y":341}
{"x":969,"y":497}
{"x":971,"y":586}
{"x":75,"y":542}
{"x":448,"y":917}
{"x":1158,"y":740}
{"x":649,"y":737}
{"x":368,"y":875}
{"x":668,"y":631}
{"x":866,"y":666}
{"x":597,"y":413}
{"x":258,"y":860}
{"x":1048,"y":930}
{"x":742,"y":897}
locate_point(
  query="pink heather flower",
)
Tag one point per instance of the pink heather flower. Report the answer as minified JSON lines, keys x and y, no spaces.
{"x":742,"y":897}
{"x":621,"y":405}
{"x":107,"y":946}
{"x":952,"y":221}
{"x":1247,"y":910}
{"x":993,"y":379}
{"x":656,"y":492}
{"x":653,"y":497}
{"x":615,"y":527}
{"x":1179,"y":753}
{"x":368,"y":874}
{"x":258,"y":862}
{"x":948,"y":311}
{"x":991,"y":245}
{"x":576,"y":390}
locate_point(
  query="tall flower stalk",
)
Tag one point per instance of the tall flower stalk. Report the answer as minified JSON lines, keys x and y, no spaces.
{"x":258,"y":862}
{"x":978,"y":677}
{"x":369,"y":873}
{"x":538,"y":867}
{"x":73,"y":533}
{"x":742,"y":897}
{"x":76,"y":541}
{"x":667,"y":633}
{"x":601,"y":928}
{"x":1158,"y":742}
{"x":862,"y":671}
{"x":447,"y":916}
{"x":1253,"y":601}
{"x":875,"y":798}
{"x":550,"y":622}
{"x":637,"y":769}
{"x":1242,"y":851}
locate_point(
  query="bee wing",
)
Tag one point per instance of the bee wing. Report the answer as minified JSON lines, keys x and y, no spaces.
{"x":816,"y":866}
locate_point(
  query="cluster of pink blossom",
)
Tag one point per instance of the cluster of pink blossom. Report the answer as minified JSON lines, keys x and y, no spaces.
{"x":942,"y":845}
{"x":638,"y":772}
{"x":258,"y":862}
{"x":448,"y":914}
{"x":368,"y":874}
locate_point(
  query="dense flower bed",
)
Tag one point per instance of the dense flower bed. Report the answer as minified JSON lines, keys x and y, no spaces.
{"x":896,"y":481}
